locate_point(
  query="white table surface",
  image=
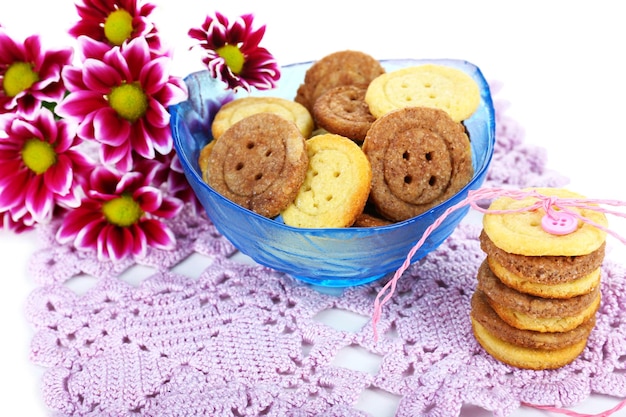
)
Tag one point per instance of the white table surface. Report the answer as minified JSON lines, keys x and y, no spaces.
{"x":560,"y":63}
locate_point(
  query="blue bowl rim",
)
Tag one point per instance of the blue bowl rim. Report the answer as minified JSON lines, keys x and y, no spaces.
{"x":478,"y":173}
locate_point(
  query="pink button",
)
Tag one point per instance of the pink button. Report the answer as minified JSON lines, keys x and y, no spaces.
{"x":560,"y":223}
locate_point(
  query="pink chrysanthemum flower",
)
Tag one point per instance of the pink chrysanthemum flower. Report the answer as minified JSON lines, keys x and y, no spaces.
{"x":121,"y":101}
{"x":114,"y":22}
{"x":120,"y":216}
{"x":41,"y":166}
{"x":233,"y":53}
{"x":29,"y":75}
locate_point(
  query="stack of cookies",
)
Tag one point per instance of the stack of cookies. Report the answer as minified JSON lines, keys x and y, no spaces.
{"x":539,"y":287}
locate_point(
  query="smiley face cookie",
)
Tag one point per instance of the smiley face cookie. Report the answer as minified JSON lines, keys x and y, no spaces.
{"x":259,"y":163}
{"x":336,"y":187}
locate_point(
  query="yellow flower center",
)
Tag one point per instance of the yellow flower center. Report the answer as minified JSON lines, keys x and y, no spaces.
{"x":233,"y":57}
{"x":118,"y":26}
{"x":129,"y":101}
{"x":19,"y":77}
{"x":122,"y":211}
{"x":38,"y":155}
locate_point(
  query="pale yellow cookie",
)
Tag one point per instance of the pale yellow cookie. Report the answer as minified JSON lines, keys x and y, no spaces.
{"x":428,"y":85}
{"x":521,"y":233}
{"x":336,"y":186}
{"x":240,"y":108}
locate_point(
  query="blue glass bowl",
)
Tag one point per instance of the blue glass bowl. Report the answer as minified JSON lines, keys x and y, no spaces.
{"x":337,"y":257}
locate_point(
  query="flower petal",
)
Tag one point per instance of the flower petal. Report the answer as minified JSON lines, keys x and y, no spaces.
{"x":109,"y":128}
{"x":100,"y":77}
{"x":58,"y":178}
{"x":78,"y":104}
{"x":39,"y":201}
{"x":158,"y":234}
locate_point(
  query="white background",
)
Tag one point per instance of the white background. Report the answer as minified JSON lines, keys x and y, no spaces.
{"x":560,"y":63}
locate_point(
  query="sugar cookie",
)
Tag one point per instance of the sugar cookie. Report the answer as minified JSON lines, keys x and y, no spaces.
{"x":240,"y":108}
{"x":427,"y":85}
{"x":336,"y":187}
{"x":521,"y":233}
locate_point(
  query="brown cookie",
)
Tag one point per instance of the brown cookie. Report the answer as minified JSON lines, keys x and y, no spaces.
{"x":336,"y":69}
{"x":370,"y":220}
{"x":260,"y":163}
{"x":420,"y":157}
{"x":530,"y":312}
{"x":342,"y":110}
{"x":547,"y":270}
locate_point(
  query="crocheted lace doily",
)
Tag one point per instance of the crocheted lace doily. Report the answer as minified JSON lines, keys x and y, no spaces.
{"x":194,"y":332}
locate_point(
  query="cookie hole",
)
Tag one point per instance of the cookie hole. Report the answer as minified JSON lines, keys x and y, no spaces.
{"x":427,"y":85}
{"x":428,"y":156}
{"x":336,"y":174}
{"x":432,"y":181}
{"x":258,"y":176}
{"x":315,"y":173}
{"x":329,"y":197}
{"x":408,"y":179}
{"x":239,"y":166}
{"x":535,"y":224}
{"x":432,"y":96}
{"x":406,"y":155}
{"x":250,"y":145}
{"x":307,"y":188}
{"x":268,"y":153}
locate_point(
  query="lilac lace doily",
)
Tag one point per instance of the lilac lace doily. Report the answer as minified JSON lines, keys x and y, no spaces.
{"x":193,"y":332}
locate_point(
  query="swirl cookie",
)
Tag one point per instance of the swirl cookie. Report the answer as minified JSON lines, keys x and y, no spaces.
{"x":428,"y":85}
{"x":342,"y":110}
{"x":525,"y":349}
{"x":238,"y":109}
{"x":420,"y":157}
{"x":260,"y":163}
{"x":528,"y":312}
{"x":521,"y":233}
{"x":336,"y":187}
{"x":336,"y":69}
